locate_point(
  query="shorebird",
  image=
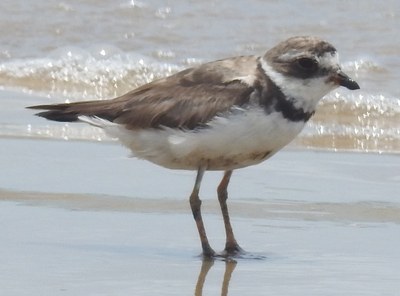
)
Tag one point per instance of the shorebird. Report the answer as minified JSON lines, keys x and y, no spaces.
{"x":222,"y":115}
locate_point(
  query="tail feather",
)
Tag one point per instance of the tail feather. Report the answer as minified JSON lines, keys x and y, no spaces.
{"x":70,"y":112}
{"x":58,"y":116}
{"x":57,"y":112}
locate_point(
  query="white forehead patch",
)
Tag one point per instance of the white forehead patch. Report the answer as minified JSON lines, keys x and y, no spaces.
{"x":329,"y":60}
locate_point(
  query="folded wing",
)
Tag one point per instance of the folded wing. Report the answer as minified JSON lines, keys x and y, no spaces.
{"x":186,"y":100}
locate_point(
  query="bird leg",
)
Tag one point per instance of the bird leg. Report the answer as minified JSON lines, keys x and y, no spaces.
{"x":195,"y":204}
{"x":231,"y":246}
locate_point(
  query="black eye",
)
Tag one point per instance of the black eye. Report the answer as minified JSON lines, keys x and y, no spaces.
{"x":308,"y":64}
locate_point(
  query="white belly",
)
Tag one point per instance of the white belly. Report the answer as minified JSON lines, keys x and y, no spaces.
{"x":243,"y":138}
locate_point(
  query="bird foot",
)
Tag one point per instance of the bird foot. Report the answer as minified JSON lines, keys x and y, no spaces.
{"x":208,"y":252}
{"x":232,"y":250}
{"x":227,"y":253}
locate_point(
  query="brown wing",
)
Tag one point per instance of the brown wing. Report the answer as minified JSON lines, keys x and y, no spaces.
{"x":185,"y":100}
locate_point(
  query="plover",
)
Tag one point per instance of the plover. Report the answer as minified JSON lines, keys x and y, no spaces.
{"x":222,"y":115}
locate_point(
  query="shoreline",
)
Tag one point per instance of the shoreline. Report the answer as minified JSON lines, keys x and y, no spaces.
{"x":363,"y":212}
{"x":298,"y":184}
{"x":82,"y":167}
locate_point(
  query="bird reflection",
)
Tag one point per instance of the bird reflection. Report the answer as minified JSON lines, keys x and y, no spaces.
{"x":206,"y":265}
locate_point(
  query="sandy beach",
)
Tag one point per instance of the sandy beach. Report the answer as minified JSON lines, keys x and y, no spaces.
{"x":81,"y":218}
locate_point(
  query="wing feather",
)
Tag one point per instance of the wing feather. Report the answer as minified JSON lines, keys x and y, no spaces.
{"x":186,"y":100}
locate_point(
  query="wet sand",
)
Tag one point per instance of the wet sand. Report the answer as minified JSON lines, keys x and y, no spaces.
{"x":80,"y":218}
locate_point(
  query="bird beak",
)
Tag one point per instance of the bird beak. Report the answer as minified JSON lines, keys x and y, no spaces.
{"x":340,"y":78}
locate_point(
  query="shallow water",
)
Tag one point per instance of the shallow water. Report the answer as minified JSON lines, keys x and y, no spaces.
{"x":80,"y":218}
{"x":86,"y":49}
